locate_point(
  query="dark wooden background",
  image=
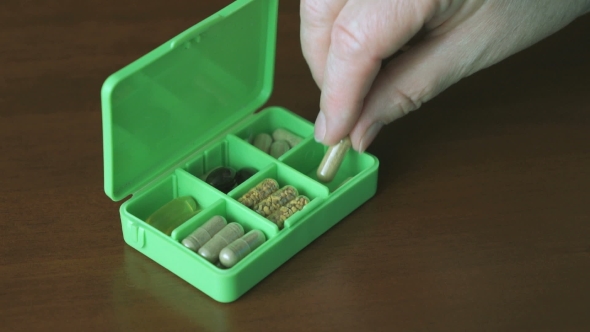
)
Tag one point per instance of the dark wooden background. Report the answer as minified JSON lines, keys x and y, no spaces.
{"x":481,"y":220}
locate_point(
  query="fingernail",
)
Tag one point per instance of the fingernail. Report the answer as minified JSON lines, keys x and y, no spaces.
{"x":320,"y":127}
{"x":369,"y":136}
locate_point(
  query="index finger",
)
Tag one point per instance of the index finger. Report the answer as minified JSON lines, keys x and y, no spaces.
{"x":363,"y":34}
{"x":317,"y":19}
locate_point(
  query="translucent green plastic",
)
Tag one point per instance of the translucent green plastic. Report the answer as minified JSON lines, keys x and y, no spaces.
{"x":190,"y":106}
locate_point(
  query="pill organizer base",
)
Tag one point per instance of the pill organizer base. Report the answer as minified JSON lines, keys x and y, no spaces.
{"x":193,"y":104}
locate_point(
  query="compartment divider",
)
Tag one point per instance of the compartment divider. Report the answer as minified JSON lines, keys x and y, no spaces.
{"x":182,"y":231}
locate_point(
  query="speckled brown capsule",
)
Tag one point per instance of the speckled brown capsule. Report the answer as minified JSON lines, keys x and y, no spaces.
{"x":289,"y":209}
{"x":260,"y":192}
{"x":273,"y":202}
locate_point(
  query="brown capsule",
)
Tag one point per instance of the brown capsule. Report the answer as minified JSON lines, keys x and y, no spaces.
{"x":289,"y":209}
{"x":259,"y":192}
{"x":272,"y":203}
{"x":332,"y":160}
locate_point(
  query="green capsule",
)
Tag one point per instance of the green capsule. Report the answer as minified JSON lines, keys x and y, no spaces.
{"x":173,"y":214}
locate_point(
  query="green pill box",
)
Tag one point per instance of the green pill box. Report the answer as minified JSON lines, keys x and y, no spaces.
{"x":192,"y":105}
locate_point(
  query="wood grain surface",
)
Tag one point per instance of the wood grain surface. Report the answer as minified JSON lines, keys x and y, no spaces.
{"x":481,"y":221}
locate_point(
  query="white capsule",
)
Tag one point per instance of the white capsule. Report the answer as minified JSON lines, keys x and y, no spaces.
{"x":283,"y":134}
{"x":263,"y":141}
{"x":201,"y":235}
{"x":231,"y":232}
{"x":279,"y":148}
{"x":240,"y":248}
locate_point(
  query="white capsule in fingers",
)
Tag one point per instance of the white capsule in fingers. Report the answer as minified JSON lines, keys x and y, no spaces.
{"x":240,"y":248}
{"x":195,"y":240}
{"x":332,"y":160}
{"x":231,"y":232}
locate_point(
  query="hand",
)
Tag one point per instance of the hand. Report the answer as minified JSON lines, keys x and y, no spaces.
{"x":346,"y":41}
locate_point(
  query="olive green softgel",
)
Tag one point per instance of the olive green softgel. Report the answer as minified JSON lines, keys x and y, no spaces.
{"x":174,"y":213}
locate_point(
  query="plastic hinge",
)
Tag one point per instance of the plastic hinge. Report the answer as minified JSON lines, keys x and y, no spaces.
{"x":136,"y":235}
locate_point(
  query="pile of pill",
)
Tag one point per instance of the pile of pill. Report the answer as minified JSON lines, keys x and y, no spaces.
{"x":278,"y":144}
{"x":220,"y":242}
{"x":226,"y":178}
{"x":173,"y":214}
{"x":274,"y":203}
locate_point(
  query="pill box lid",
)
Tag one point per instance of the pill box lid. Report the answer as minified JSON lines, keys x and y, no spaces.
{"x":175,"y":99}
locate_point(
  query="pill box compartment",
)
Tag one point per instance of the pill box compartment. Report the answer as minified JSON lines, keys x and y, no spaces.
{"x":277,"y":118}
{"x":190,"y":106}
{"x":231,"y":152}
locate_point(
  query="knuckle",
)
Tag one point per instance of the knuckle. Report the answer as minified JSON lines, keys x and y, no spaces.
{"x":312,"y":10}
{"x":347,"y":39}
{"x":401,"y":103}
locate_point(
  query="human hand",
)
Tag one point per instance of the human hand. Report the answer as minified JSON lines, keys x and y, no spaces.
{"x":346,"y":41}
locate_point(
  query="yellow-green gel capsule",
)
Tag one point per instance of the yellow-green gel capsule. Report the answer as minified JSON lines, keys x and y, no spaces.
{"x":173,"y":214}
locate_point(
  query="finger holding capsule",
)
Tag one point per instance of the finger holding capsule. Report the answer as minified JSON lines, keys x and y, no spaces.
{"x":332,"y":160}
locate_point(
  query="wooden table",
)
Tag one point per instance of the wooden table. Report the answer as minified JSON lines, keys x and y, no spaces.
{"x":481,"y":220}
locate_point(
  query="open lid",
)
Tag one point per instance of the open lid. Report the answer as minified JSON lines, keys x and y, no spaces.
{"x":163,"y":106}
